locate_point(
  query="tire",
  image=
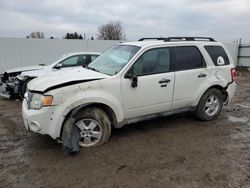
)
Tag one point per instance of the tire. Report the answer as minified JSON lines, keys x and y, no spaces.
{"x":210,"y":105}
{"x":94,"y":127}
{"x":24,"y":88}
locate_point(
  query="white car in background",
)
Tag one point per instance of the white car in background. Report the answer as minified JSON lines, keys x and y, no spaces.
{"x":16,"y":80}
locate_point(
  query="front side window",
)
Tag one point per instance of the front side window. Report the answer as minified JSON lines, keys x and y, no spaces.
{"x":113,"y":60}
{"x":188,"y":57}
{"x":218,"y":55}
{"x":69,"y":62}
{"x":153,"y":61}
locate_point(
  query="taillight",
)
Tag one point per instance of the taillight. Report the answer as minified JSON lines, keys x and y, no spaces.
{"x":233,"y":74}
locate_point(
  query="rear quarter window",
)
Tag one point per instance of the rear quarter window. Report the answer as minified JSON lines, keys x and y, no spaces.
{"x":218,"y":55}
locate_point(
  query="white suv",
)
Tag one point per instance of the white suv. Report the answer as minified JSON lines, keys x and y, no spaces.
{"x":131,"y":82}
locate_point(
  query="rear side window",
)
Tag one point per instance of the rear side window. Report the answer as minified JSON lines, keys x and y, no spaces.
{"x":93,"y":57}
{"x":82,"y":60}
{"x":218,"y":55}
{"x":188,"y":57}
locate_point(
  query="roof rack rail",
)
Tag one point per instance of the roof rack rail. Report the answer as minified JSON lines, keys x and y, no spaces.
{"x":189,"y":39}
{"x":152,"y":38}
{"x":169,"y":39}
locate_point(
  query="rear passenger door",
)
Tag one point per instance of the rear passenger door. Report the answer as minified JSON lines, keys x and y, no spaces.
{"x":190,"y":74}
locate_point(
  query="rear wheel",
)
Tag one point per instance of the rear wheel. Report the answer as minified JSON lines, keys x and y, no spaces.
{"x":210,"y":105}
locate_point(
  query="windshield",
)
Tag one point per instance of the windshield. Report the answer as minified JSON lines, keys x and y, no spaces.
{"x":114,"y":59}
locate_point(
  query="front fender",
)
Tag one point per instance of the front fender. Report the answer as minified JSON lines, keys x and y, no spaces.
{"x":105,"y":99}
{"x":71,"y":100}
{"x":67,"y":98}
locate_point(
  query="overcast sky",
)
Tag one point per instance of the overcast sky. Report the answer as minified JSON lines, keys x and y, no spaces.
{"x":221,"y":19}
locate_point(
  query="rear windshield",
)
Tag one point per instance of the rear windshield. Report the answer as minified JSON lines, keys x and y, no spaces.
{"x":218,"y":55}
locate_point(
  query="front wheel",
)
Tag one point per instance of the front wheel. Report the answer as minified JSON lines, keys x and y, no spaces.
{"x":93,"y":125}
{"x":210,"y":105}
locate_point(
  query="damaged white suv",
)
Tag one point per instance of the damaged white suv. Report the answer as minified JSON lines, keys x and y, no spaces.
{"x":131,"y":82}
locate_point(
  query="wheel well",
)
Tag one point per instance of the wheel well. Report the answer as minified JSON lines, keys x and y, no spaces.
{"x":104,"y":107}
{"x":222,"y":89}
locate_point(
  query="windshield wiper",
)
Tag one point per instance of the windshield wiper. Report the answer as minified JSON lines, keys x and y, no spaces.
{"x":91,"y":68}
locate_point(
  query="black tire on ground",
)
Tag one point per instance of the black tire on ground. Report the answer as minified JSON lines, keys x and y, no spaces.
{"x":202,"y":112}
{"x":99,"y":116}
{"x":24,"y":88}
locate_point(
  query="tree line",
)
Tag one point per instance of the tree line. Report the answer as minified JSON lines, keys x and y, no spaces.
{"x":110,"y":31}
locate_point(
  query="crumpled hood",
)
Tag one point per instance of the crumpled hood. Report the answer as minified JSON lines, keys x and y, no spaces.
{"x":28,"y":68}
{"x":34,"y":73}
{"x":63,"y":77}
{"x":41,"y":72}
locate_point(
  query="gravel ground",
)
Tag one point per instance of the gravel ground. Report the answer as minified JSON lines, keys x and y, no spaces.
{"x":175,"y":151}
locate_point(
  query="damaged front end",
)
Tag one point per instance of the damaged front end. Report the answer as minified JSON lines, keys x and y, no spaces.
{"x":10,"y":85}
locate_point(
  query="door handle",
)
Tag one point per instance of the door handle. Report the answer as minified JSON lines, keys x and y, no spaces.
{"x":162,"y":81}
{"x":202,"y":75}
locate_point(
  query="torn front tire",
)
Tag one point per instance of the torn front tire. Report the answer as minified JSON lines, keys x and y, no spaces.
{"x":70,"y":137}
{"x":88,"y":127}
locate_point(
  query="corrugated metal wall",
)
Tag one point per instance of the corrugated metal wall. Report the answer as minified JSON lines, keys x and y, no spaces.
{"x":244,"y":55}
{"x":16,"y":52}
{"x":233,"y":49}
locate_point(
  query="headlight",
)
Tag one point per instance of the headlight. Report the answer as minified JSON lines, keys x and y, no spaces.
{"x":20,"y":77}
{"x":38,"y":101}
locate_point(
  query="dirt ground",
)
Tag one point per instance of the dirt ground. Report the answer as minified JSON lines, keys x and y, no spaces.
{"x":175,"y":151}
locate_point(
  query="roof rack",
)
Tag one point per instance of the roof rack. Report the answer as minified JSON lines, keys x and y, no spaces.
{"x":190,"y":39}
{"x":152,"y":38}
{"x":174,"y":39}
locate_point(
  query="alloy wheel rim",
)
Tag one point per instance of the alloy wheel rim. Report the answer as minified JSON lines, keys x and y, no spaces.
{"x":212,"y":105}
{"x":90,"y":132}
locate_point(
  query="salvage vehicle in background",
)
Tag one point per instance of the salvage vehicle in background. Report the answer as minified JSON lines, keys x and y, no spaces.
{"x":128,"y":83}
{"x":15,"y":80}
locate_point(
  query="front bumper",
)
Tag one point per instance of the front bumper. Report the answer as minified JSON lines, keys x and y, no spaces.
{"x":10,"y":89}
{"x":3,"y":92}
{"x":46,"y":121}
{"x":5,"y":95}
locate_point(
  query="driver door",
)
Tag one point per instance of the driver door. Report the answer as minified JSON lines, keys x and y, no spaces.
{"x":154,"y":90}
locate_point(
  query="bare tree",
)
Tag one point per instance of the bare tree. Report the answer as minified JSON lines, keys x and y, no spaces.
{"x":111,"y":31}
{"x":39,"y":35}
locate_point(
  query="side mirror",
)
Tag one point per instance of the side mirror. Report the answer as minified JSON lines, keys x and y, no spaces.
{"x":58,"y":66}
{"x":133,"y":78}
